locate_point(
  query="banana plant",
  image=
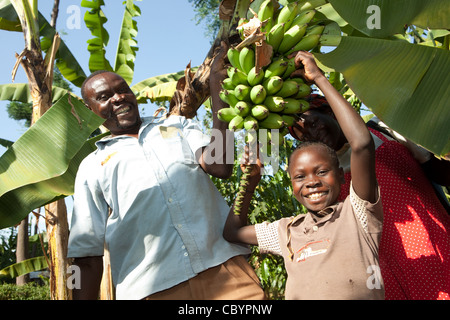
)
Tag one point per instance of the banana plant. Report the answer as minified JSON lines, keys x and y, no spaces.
{"x":405,"y":83}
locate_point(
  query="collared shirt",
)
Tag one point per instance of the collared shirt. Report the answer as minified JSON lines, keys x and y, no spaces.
{"x":329,"y":255}
{"x":167,"y":216}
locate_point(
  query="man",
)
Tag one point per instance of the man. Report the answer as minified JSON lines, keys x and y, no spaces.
{"x":146,"y":192}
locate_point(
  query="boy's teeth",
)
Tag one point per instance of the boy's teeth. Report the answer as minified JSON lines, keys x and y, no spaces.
{"x":314,"y":196}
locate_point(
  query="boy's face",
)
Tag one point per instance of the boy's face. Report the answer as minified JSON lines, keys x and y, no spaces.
{"x":110,"y":97}
{"x":316,"y":180}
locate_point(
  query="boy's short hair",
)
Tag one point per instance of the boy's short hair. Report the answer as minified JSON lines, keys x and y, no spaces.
{"x":331,"y":152}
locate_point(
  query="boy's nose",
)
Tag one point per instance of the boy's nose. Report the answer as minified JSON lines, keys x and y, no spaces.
{"x":312,"y":182}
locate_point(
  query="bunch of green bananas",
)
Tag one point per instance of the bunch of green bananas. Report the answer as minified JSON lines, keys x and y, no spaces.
{"x":270,"y":99}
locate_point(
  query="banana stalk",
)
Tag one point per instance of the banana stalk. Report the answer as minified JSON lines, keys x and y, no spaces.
{"x":243,"y":184}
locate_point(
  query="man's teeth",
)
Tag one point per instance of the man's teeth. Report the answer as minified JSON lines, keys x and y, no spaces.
{"x":315,"y":196}
{"x":123,"y":110}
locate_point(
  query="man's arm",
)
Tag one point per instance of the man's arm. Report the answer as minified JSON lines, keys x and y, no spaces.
{"x":91,"y":276}
{"x":222,"y":139}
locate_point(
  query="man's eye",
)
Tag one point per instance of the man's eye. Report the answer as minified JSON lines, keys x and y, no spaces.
{"x":322,"y":172}
{"x":102,"y":98}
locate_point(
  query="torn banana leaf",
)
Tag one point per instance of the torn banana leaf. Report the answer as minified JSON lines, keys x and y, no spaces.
{"x":405,"y":85}
{"x":40,"y":167}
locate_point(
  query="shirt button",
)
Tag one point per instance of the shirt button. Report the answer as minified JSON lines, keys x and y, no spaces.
{"x":179,"y":226}
{"x":186,"y":254}
{"x":315,"y":228}
{"x":170,"y":200}
{"x":183,"y":247}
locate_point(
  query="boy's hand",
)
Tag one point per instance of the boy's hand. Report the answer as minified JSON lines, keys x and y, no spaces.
{"x":306,"y":66}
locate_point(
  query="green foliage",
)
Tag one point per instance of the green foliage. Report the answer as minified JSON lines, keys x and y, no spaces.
{"x":29,"y":291}
{"x":206,"y":11}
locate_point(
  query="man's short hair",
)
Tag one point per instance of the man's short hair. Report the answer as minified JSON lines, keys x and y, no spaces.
{"x":83,"y":86}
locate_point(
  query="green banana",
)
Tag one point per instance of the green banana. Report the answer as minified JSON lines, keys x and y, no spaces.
{"x":274,"y":103}
{"x":306,"y":44}
{"x":276,"y":68}
{"x":317,"y":29}
{"x":227,"y":84}
{"x":273,"y":85}
{"x":288,"y":119}
{"x":298,"y":80}
{"x":292,"y":37}
{"x":236,"y":124}
{"x":292,"y":106}
{"x":242,"y":108}
{"x":266,"y":10}
{"x":272,"y":121}
{"x":305,"y":105}
{"x":247,"y":59}
{"x":228,"y":97}
{"x":253,"y":79}
{"x":275,"y":36}
{"x":290,"y":68}
{"x":237,"y":76}
{"x":287,"y":14}
{"x":250,"y":123}
{"x":259,"y":112}
{"x":242,"y":92}
{"x":304,"y":17}
{"x":258,"y":94}
{"x":226,"y":114}
{"x":289,"y":89}
{"x":233,"y":56}
{"x":304,"y":91}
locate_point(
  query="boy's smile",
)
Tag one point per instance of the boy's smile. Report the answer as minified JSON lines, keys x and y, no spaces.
{"x":315,"y":178}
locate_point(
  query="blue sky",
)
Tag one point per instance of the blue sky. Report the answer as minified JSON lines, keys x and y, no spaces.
{"x":168,"y":39}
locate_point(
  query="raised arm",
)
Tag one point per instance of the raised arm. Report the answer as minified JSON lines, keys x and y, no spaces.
{"x":352,"y":125}
{"x":213,"y":158}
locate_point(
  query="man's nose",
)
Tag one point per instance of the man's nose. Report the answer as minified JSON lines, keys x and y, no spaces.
{"x":117,"y":98}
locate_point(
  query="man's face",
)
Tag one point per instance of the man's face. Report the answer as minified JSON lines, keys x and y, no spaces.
{"x":110,"y":97}
{"x":315,"y":178}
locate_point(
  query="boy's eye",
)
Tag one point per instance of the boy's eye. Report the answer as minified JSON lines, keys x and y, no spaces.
{"x":322,"y":172}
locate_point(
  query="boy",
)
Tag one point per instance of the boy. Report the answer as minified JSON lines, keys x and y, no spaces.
{"x":332,"y":251}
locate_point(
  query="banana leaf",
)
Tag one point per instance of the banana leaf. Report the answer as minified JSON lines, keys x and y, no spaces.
{"x":21,"y":92}
{"x":394,"y":15}
{"x":159,"y":88}
{"x":24,"y":267}
{"x":40,"y":167}
{"x":65,"y":61}
{"x":405,"y":85}
{"x":127,"y":47}
{"x":95,"y":20}
{"x":8,"y":17}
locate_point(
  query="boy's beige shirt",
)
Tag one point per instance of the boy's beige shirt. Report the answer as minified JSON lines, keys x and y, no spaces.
{"x":332,"y":254}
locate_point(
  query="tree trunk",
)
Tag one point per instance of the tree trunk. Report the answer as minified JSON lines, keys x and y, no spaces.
{"x":58,"y":233}
{"x":22,"y":249}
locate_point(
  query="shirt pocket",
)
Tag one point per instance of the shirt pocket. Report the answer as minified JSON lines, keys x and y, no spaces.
{"x":175,"y":147}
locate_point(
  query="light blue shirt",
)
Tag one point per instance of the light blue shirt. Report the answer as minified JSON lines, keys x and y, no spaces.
{"x":167,"y":216}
